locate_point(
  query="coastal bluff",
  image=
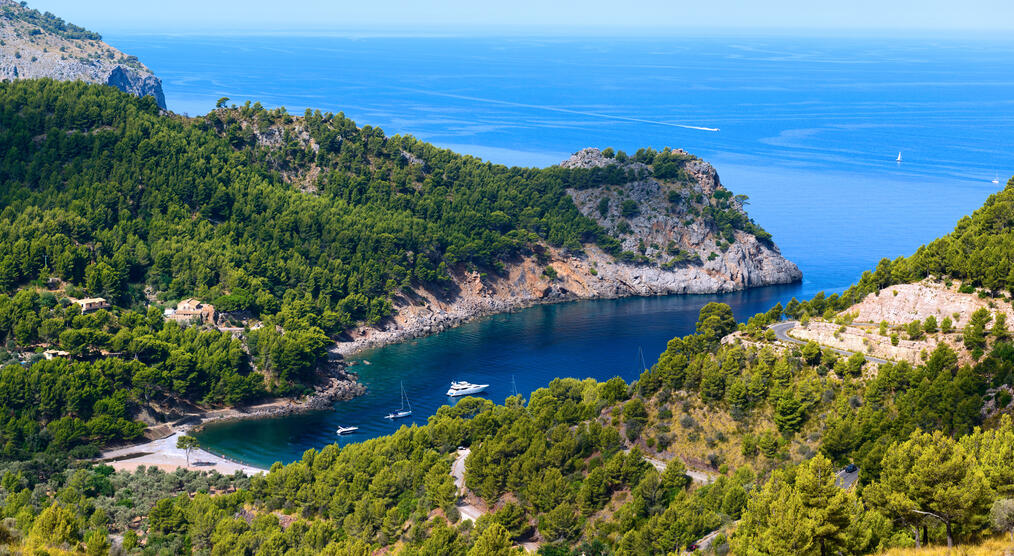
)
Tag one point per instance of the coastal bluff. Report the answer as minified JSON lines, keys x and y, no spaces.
{"x":36,"y":45}
{"x":680,"y":247}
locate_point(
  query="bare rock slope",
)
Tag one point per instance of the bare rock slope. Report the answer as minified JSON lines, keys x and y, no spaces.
{"x":34,"y":45}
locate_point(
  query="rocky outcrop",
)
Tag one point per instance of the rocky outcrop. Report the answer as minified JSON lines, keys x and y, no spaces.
{"x":37,"y":46}
{"x":903,"y":303}
{"x":137,"y":84}
{"x":594,"y":274}
{"x":672,"y":224}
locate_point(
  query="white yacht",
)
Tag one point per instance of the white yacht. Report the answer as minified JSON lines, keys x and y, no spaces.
{"x":346,"y":430}
{"x":463,"y":388}
{"x":899,"y":157}
{"x":996,"y":178}
{"x":406,"y":407}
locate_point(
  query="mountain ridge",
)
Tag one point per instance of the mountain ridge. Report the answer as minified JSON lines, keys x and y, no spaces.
{"x":37,"y":45}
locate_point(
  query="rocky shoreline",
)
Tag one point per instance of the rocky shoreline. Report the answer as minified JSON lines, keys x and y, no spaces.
{"x":339,"y":386}
{"x":525,"y":286}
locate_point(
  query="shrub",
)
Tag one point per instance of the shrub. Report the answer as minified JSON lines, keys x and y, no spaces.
{"x":629,"y":209}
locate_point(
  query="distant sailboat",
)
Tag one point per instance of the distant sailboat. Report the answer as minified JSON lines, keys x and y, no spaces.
{"x":406,"y":407}
{"x":899,"y":157}
{"x":996,"y":178}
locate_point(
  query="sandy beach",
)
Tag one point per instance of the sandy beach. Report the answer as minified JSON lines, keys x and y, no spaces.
{"x":164,"y":454}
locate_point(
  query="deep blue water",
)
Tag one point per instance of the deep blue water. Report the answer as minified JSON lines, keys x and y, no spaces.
{"x":809,"y":129}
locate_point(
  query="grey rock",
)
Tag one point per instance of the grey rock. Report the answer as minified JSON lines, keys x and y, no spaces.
{"x":33,"y":52}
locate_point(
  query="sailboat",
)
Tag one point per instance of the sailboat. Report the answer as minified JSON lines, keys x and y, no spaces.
{"x":406,"y":407}
{"x":899,"y":157}
{"x":996,"y":178}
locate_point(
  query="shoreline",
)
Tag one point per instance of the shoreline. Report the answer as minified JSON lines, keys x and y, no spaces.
{"x":164,"y":454}
{"x":424,"y":314}
{"x":160,"y":448}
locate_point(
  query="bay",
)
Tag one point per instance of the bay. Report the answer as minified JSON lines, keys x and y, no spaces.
{"x":809,"y":129}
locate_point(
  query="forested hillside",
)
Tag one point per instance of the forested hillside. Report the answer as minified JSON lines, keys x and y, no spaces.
{"x":298,"y":227}
{"x":309,"y":226}
{"x":567,"y":469}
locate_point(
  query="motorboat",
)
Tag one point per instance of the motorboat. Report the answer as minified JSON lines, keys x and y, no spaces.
{"x":346,"y":430}
{"x":463,"y":388}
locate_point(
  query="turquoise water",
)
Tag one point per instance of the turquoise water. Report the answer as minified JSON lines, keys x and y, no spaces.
{"x":809,"y":129}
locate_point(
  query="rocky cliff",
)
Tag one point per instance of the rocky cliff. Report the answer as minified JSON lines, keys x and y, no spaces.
{"x":685,"y":229}
{"x":673,"y":244}
{"x":34,"y":45}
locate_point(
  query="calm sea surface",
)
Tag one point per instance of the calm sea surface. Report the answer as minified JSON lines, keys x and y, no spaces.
{"x":809,"y":129}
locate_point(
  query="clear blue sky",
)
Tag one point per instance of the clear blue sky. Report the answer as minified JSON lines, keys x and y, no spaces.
{"x":465,"y":15}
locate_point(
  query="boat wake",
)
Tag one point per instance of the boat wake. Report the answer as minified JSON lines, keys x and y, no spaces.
{"x":561,"y":110}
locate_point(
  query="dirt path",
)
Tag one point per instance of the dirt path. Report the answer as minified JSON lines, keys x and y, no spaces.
{"x":467,"y":510}
{"x":702,"y":477}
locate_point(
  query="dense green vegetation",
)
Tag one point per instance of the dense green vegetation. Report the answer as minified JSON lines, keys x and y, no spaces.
{"x":313,"y":224}
{"x":569,"y":468}
{"x":309,"y":224}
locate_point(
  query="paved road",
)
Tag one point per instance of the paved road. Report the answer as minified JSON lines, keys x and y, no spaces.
{"x":781,"y":332}
{"x":846,"y":480}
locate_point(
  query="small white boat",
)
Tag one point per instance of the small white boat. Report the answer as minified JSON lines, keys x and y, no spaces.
{"x":406,"y":407}
{"x":996,"y":178}
{"x":346,"y":430}
{"x":463,"y":388}
{"x":899,"y":157}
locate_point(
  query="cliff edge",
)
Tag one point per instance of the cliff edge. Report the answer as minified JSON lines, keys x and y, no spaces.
{"x":36,"y":45}
{"x":678,"y":217}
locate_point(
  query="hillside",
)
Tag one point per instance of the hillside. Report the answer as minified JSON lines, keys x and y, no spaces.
{"x":34,"y":45}
{"x":306,"y":229}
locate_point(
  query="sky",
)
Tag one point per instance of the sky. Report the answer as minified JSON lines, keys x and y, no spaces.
{"x":479,"y":16}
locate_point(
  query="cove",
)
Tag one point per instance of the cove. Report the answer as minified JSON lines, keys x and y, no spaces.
{"x":597,"y":339}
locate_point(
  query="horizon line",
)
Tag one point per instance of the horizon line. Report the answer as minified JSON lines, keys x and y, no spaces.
{"x":550,"y":30}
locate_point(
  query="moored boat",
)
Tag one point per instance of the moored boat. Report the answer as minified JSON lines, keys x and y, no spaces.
{"x":406,"y":408}
{"x":464,"y":388}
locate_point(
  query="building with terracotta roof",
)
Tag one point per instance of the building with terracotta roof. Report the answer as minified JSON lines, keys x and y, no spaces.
{"x":191,"y":310}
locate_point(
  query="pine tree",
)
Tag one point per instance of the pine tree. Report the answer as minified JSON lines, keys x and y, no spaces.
{"x":493,"y":541}
{"x":932,"y":476}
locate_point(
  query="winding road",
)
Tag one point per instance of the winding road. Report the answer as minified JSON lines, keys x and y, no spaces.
{"x":781,"y":332}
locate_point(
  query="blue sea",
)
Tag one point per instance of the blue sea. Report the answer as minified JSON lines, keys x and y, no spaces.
{"x":809,"y":128}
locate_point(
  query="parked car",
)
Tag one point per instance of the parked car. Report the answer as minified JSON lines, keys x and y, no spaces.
{"x":851,"y":468}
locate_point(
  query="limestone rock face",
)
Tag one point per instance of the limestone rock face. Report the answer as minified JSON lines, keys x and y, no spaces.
{"x":37,"y":46}
{"x":671,"y":223}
